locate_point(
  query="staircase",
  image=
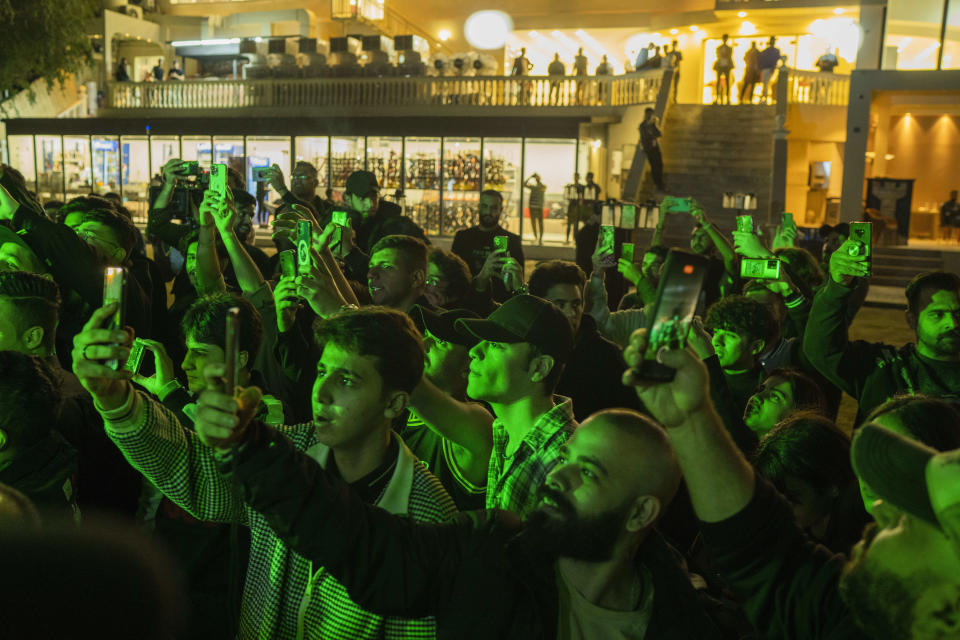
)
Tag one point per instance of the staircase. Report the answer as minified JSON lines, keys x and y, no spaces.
{"x":709,"y":150}
{"x":896,"y":266}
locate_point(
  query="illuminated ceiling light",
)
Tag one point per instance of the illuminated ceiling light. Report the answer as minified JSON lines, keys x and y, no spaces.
{"x":694,"y":28}
{"x":533,"y":34}
{"x":556,"y":34}
{"x":908,"y":115}
{"x":596,"y":144}
{"x":742,"y":14}
{"x":747,"y":28}
{"x":674,"y":32}
{"x":204,"y":43}
{"x":838,"y":11}
{"x":444,"y":35}
{"x":487,"y":29}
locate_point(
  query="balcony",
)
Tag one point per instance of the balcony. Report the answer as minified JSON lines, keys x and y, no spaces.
{"x":477,"y":95}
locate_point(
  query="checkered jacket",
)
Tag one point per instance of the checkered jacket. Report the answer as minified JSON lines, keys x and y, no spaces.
{"x":285,"y":595}
{"x":512,"y":483}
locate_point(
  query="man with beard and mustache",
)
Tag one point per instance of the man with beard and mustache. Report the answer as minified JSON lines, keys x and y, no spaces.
{"x":588,"y":564}
{"x":904,"y":580}
{"x":873,"y":372}
{"x":476,"y":246}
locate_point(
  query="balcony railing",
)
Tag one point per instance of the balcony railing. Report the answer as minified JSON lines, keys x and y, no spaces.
{"x":478,"y":91}
{"x":817,"y":88}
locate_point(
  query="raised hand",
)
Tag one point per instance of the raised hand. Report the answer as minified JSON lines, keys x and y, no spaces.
{"x":222,"y":417}
{"x":274,"y":175}
{"x":511,"y":273}
{"x":845,"y":267}
{"x":172,"y":169}
{"x":162,"y":365}
{"x":287,"y":302}
{"x":224,"y":215}
{"x":670,"y":403}
{"x":91,"y":348}
{"x":629,"y":271}
{"x":748,"y":245}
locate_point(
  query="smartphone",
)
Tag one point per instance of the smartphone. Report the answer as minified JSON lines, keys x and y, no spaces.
{"x":628,"y":216}
{"x":745,"y":223}
{"x":304,"y":231}
{"x":677,"y":295}
{"x":607,"y":242}
{"x":288,"y":263}
{"x":231,"y":351}
{"x":626,"y":251}
{"x":672,"y":204}
{"x":218,"y":179}
{"x":190,"y":168}
{"x":136,"y":356}
{"x":114,"y":287}
{"x":786,"y":220}
{"x":341,"y":218}
{"x":761,"y":268}
{"x":259,"y":174}
{"x":500,"y":243}
{"x":862,"y":234}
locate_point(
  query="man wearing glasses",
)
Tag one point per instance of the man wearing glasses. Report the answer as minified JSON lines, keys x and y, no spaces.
{"x":304,"y":181}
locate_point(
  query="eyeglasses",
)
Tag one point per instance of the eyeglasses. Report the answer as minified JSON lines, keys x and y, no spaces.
{"x":298,"y":177}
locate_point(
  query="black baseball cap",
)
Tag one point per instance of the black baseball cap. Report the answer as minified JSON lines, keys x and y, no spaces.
{"x":362,"y":183}
{"x":525,"y":318}
{"x":442,"y":323}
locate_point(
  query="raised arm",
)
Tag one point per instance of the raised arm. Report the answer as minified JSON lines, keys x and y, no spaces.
{"x":209,"y":273}
{"x":720,"y":241}
{"x":247,"y":272}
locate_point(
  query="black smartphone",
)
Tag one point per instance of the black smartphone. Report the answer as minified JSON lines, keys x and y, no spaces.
{"x":231,"y":351}
{"x":136,"y":356}
{"x":606,"y":241}
{"x":288,"y":263}
{"x":762,"y":268}
{"x":673,"y":311}
{"x":626,"y":251}
{"x":304,"y":231}
{"x":114,"y":289}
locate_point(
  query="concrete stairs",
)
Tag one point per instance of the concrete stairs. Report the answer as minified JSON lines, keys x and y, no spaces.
{"x":710,"y":150}
{"x":896,"y":266}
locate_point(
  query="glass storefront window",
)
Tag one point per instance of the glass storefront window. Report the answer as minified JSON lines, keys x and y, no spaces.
{"x":422,"y":188}
{"x":501,"y":171}
{"x":554,"y":161}
{"x":951,"y":45}
{"x":162,"y":149}
{"x":196,"y":148}
{"x":461,"y":183}
{"x":314,"y":150}
{"x":384,"y":159}
{"x":106,"y":164}
{"x":228,"y":150}
{"x":22,"y":158}
{"x":346,"y":156}
{"x":135,"y":154}
{"x":76,"y":165}
{"x":50,"y":166}
{"x":263,"y":151}
{"x":912,"y":34}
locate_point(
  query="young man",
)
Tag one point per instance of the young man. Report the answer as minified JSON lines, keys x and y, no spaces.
{"x":372,"y":217}
{"x":784,"y":391}
{"x":535,"y":205}
{"x":873,"y":372}
{"x":902,"y":580}
{"x":476,"y":246}
{"x":592,"y":375}
{"x":302,"y":191}
{"x":462,"y":473}
{"x":767,"y":62}
{"x":397,"y":274}
{"x":371,"y":361}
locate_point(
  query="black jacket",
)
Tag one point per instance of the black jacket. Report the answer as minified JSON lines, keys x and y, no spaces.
{"x":388,"y":220}
{"x":479,"y":575}
{"x":46,"y":473}
{"x":592,"y":377}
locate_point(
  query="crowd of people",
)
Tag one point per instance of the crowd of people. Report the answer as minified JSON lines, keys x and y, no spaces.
{"x":361,"y":435}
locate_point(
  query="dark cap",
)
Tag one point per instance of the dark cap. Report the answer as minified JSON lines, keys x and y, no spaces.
{"x":362,"y":183}
{"x":443,"y":325}
{"x":894,"y":467}
{"x":526,"y":319}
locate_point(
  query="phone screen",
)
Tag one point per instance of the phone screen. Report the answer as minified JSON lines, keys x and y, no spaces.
{"x":501,"y":243}
{"x":762,"y":268}
{"x":606,"y":242}
{"x":136,"y":356}
{"x":745,"y":223}
{"x":114,"y":281}
{"x":626,"y":251}
{"x":218,"y":179}
{"x":786,"y":219}
{"x":673,"y":310}
{"x":303,"y":247}
{"x":288,"y":263}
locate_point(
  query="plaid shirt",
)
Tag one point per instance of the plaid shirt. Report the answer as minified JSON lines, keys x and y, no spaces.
{"x":284,"y":596}
{"x":512,"y":483}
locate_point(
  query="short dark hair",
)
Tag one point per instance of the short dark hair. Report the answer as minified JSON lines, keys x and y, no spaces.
{"x":101,"y":210}
{"x":648,"y":111}
{"x":551,"y":272}
{"x":743,"y":316}
{"x":29,"y":398}
{"x":660,"y":250}
{"x":932,"y":421}
{"x":493,"y":193}
{"x":206,"y":322}
{"x":414,"y":250}
{"x":454,"y":270}
{"x":807,"y":394}
{"x":929,"y":281}
{"x":808,"y":447}
{"x":306,"y":166}
{"x":387,"y":335}
{"x":37,"y":300}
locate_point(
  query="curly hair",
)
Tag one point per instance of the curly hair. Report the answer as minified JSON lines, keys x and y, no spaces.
{"x":454,"y":270}
{"x":802,"y":267}
{"x":551,"y":272}
{"x":206,"y":322}
{"x":807,"y":394}
{"x":37,"y":301}
{"x":387,"y":335}
{"x":102,"y":210}
{"x":743,"y":316}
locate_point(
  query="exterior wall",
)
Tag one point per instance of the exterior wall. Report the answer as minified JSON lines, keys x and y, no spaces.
{"x":816,"y":135}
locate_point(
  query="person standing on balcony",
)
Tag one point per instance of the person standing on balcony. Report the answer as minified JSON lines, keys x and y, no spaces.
{"x":521,"y":68}
{"x":537,"y":189}
{"x":580,"y":70}
{"x":556,"y":71}
{"x":121,"y":75}
{"x":723,"y":66}
{"x":751,"y":73}
{"x":673,"y":60}
{"x":650,"y":141}
{"x":175,"y":73}
{"x":767,"y":61}
{"x":603,"y":69}
{"x":828,"y":61}
{"x":158,"y":71}
{"x":643,"y":56}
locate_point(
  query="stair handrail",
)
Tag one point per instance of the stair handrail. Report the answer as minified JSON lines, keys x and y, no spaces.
{"x":631,"y":187}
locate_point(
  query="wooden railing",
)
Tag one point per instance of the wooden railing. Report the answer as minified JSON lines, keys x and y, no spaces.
{"x":817,"y":88}
{"x":485,"y":91}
